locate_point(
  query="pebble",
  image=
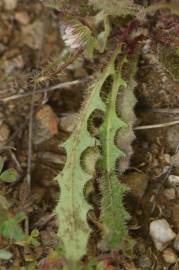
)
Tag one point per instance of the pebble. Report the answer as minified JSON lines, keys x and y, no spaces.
{"x":45,"y":125}
{"x":33,"y":34}
{"x":145,"y":262}
{"x":176,"y":243}
{"x":169,"y":256}
{"x":173,"y":180}
{"x":68,"y":122}
{"x":161,"y":233}
{"x":169,"y":193}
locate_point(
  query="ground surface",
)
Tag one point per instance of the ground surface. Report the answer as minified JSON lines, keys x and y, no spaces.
{"x":29,"y":37}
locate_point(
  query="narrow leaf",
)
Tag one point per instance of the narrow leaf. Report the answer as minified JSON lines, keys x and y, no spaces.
{"x":72,"y":208}
{"x":113,"y":213}
{"x":116,"y":136}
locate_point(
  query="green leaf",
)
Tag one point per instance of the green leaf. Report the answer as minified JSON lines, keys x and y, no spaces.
{"x":113,"y":214}
{"x":8,"y":176}
{"x":72,"y":207}
{"x":5,"y":254}
{"x":10,"y":229}
{"x":20,"y":217}
{"x":35,"y":242}
{"x":116,"y":136}
{"x":100,"y":266}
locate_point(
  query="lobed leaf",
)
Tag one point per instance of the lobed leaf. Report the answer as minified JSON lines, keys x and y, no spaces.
{"x":113,"y":213}
{"x":116,"y":135}
{"x":72,"y":207}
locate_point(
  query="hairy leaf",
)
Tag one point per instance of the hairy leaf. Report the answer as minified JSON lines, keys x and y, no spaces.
{"x":72,"y":208}
{"x":125,"y":107}
{"x":116,"y":136}
{"x":113,"y":214}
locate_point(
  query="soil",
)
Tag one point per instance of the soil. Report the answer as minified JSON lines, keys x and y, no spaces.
{"x":29,"y":37}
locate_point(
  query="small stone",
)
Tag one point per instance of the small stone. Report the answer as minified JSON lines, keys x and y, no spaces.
{"x":145,"y":262}
{"x":161,"y":233}
{"x":176,"y":243}
{"x":173,"y":180}
{"x":45,"y":125}
{"x":4,"y":134}
{"x":32,"y":34}
{"x":169,"y":256}
{"x":22,"y":17}
{"x":10,"y":4}
{"x":137,"y":182}
{"x":169,"y":193}
{"x":68,"y":122}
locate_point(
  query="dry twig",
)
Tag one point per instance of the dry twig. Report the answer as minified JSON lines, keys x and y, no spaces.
{"x":172,"y":123}
{"x":60,"y":86}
